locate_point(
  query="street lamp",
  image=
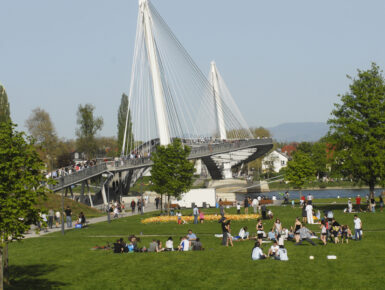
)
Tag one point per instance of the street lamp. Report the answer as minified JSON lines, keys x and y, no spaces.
{"x":108,"y":175}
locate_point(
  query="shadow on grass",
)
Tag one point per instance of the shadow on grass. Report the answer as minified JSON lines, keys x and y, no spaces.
{"x":30,"y":277}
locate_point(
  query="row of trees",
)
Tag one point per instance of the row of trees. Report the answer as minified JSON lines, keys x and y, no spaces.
{"x":57,"y":152}
{"x":355,"y":144}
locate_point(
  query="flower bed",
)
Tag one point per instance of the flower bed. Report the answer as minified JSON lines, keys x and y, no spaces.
{"x":209,"y":217}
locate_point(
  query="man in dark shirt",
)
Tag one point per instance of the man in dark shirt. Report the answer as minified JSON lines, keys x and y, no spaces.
{"x":223,"y":222}
{"x":335,"y":230}
{"x":246,"y":204}
{"x":68,"y":213}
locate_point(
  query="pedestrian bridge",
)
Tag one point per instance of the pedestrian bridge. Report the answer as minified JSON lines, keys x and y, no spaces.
{"x":260,"y":146}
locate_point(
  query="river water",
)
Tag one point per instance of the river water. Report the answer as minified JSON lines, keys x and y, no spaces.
{"x":325,"y":193}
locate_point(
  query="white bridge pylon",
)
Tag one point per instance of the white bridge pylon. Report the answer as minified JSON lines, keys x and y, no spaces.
{"x":170,"y":97}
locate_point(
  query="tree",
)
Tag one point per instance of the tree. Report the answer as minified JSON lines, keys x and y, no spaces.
{"x":89,"y":125}
{"x":300,"y":169}
{"x":318,"y":153}
{"x":21,"y":180}
{"x":40,"y":127}
{"x":5,"y":115}
{"x":357,"y":129}
{"x":172,"y":173}
{"x":122,"y":119}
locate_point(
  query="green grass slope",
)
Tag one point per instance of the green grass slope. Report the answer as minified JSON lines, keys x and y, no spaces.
{"x":54,"y":261}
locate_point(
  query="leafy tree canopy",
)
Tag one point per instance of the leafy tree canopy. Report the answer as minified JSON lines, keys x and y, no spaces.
{"x":172,"y":173}
{"x":21,"y":185}
{"x":122,"y":120}
{"x":300,"y":169}
{"x":5,"y":115}
{"x":88,"y":126}
{"x":357,"y":129}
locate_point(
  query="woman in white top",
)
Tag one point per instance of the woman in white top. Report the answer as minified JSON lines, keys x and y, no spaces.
{"x":169,"y":244}
{"x":277,"y":226}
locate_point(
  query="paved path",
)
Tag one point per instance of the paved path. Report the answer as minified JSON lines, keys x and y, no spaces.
{"x":32,"y":234}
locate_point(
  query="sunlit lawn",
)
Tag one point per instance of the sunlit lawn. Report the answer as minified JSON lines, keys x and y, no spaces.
{"x":67,"y":262}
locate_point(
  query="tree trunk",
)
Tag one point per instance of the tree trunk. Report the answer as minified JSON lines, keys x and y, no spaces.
{"x":371,"y":189}
{"x":168,"y":204}
{"x":1,"y":268}
{"x":5,"y":267}
{"x":4,"y":278}
{"x":161,"y":203}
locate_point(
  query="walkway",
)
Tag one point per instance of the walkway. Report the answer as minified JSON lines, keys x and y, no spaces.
{"x":32,"y":234}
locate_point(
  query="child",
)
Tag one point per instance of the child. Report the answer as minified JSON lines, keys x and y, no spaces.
{"x":238,"y":208}
{"x":201,"y":216}
{"x":179,"y":215}
{"x":292,"y":203}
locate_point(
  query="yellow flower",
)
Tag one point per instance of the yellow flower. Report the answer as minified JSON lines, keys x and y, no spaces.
{"x":211,"y":217}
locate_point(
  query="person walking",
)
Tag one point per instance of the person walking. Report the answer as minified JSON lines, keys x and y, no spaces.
{"x":357,"y":228}
{"x":195,"y":213}
{"x":157,"y":202}
{"x":246,"y":205}
{"x":358,"y":203}
{"x":133,"y":204}
{"x":309,"y":213}
{"x":381,"y":202}
{"x":50,"y":217}
{"x":57,"y":218}
{"x":68,"y":213}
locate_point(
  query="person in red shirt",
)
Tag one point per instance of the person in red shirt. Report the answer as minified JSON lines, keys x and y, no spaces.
{"x":358,"y":203}
{"x":302,"y":199}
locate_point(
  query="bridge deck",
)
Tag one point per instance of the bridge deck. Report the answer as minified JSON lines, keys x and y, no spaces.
{"x":123,"y":165}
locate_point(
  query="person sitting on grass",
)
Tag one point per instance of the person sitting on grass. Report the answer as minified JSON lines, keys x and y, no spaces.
{"x":197,"y":246}
{"x":272,"y":235}
{"x":169,"y":244}
{"x":153,"y":246}
{"x":184,"y":245}
{"x":243,"y":234}
{"x":305,"y":235}
{"x":160,"y":248}
{"x":257,"y":253}
{"x":270,"y":214}
{"x":281,"y":254}
{"x":273,"y":250}
{"x":191,"y":236}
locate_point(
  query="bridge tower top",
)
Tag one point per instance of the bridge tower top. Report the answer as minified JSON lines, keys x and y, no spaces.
{"x":217,"y":101}
{"x":159,"y":100}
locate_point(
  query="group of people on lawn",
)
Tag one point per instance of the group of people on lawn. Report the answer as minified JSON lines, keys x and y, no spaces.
{"x":190,"y":242}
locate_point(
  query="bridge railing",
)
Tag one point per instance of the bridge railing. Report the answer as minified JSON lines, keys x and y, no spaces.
{"x":196,"y":152}
{"x":79,"y":176}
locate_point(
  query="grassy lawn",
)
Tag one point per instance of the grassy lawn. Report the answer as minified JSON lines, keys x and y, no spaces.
{"x":54,"y":261}
{"x":54,"y":201}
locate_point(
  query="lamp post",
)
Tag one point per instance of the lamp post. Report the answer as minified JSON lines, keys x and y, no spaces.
{"x":108,"y":175}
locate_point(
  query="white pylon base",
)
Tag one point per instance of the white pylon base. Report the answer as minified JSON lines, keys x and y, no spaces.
{"x":226,"y":172}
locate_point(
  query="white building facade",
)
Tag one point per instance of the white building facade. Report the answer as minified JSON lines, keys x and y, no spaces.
{"x":274,"y":161}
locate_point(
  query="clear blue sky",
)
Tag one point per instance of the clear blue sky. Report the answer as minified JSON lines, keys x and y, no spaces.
{"x":284,"y":61}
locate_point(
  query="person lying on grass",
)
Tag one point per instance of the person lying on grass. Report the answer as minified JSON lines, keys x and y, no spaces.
{"x":256,"y":253}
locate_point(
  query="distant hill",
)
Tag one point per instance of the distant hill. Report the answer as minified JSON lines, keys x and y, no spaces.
{"x":299,"y":132}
